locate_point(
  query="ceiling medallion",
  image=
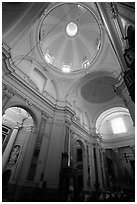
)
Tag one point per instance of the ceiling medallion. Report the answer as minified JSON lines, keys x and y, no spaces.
{"x":71,"y":29}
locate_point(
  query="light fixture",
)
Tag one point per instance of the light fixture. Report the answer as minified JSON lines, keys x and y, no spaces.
{"x":66,"y":68}
{"x":71,"y":29}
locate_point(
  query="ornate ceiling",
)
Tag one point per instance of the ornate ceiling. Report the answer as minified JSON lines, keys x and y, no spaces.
{"x":56,"y":38}
{"x":70,"y":37}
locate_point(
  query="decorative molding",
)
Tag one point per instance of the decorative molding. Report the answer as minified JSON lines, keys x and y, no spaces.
{"x":28,"y":103}
{"x":45,"y":115}
{"x":17,"y":125}
{"x":14,"y":155}
{"x":8,"y":91}
{"x":67,"y":122}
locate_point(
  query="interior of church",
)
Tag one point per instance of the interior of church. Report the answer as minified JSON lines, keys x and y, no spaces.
{"x":68,"y":101}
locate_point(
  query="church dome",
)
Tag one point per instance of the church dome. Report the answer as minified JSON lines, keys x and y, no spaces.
{"x":70,"y":37}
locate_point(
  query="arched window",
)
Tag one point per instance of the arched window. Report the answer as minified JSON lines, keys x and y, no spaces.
{"x":118,"y":125}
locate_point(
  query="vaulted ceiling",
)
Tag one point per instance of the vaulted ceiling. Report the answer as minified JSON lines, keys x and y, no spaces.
{"x":67,"y":36}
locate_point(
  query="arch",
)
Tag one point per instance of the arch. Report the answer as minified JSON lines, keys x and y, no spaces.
{"x":40,"y":69}
{"x":106,"y":112}
{"x":103,"y":110}
{"x":26,"y":108}
{"x":82,"y":144}
{"x":86,"y":78}
{"x":114,"y":123}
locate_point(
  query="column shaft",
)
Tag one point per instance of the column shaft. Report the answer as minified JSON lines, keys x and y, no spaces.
{"x":37,"y":148}
{"x":66,"y":152}
{"x":105,"y":168}
{"x":85,"y":172}
{"x":92,"y":169}
{"x":8,"y":148}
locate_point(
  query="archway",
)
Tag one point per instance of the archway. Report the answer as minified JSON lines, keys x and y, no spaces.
{"x":117,"y":132}
{"x":78,"y":160}
{"x":17,"y":127}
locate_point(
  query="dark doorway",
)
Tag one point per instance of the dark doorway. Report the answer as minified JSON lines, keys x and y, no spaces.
{"x":6,"y":177}
{"x":5,"y":180}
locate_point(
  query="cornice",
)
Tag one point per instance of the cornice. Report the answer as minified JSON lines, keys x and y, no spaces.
{"x":118,"y":142}
{"x":79,"y":127}
{"x":53,"y":106}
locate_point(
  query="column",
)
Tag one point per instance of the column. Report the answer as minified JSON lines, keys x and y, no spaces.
{"x":105,"y":168}
{"x":92,"y":168}
{"x":85,"y":171}
{"x":122,"y":91}
{"x":9,"y":146}
{"x":88,"y":166}
{"x":36,"y":152}
{"x":102,"y":168}
{"x":118,"y":162}
{"x":44,"y":118}
{"x":66,"y":151}
{"x":99,"y":167}
{"x":116,"y":157}
{"x":70,"y":161}
{"x":39,"y":175}
{"x":96,"y":183}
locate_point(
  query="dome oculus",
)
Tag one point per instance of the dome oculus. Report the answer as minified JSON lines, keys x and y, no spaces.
{"x":71,"y":29}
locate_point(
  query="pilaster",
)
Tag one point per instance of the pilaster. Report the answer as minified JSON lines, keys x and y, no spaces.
{"x":36,"y":153}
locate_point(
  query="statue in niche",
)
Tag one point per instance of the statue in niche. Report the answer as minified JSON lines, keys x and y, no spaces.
{"x":14,"y":155}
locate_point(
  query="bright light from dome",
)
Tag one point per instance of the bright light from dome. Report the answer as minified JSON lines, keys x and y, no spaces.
{"x":72,"y":29}
{"x":118,"y":126}
{"x":66,"y":68}
{"x":48,"y":58}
